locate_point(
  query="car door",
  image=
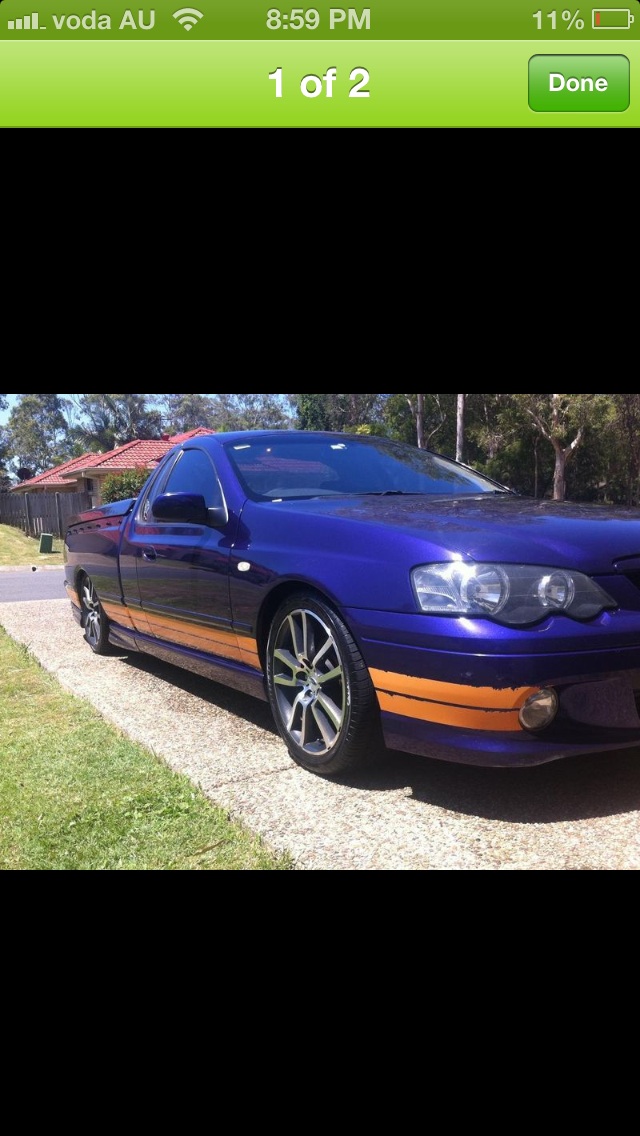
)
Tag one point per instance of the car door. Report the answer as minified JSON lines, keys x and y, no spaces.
{"x":182,"y":569}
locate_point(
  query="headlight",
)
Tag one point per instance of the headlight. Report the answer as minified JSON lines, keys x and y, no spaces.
{"x":510,"y":593}
{"x":485,"y":587}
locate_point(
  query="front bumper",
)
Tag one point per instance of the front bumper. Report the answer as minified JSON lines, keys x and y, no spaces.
{"x":464,"y":705}
{"x":593,"y":717}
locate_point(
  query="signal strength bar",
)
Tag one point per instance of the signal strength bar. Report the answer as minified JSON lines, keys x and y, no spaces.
{"x":24,"y":23}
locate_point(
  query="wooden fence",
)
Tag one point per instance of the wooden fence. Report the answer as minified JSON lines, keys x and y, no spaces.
{"x":37,"y":513}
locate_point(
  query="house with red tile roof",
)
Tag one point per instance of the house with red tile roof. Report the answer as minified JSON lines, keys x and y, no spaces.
{"x":52,"y":480}
{"x":86,"y":474}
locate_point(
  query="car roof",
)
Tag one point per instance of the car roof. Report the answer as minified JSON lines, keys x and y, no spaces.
{"x":274,"y":435}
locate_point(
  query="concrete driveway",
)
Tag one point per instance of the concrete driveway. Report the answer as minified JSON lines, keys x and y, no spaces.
{"x":410,"y":814}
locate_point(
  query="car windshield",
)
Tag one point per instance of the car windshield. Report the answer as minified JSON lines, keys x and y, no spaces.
{"x":330,"y":466}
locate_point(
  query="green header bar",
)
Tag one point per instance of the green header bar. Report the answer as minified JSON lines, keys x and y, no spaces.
{"x":361,"y":21}
{"x":240,"y":84}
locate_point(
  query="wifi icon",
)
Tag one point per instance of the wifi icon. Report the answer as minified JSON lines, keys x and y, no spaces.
{"x":188,"y":17}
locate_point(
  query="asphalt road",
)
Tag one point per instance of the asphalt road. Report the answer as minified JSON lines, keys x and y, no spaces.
{"x":415,"y":814}
{"x":26,"y":584}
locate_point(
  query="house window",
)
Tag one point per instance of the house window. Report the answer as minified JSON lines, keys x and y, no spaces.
{"x":90,"y":484}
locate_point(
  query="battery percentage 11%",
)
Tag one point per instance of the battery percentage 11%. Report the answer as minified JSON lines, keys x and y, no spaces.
{"x":569,"y":19}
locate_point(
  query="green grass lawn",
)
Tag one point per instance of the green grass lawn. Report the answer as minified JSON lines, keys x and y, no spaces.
{"x":77,"y":795}
{"x":20,"y":551}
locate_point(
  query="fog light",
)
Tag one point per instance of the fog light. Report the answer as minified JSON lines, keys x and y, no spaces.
{"x":539,"y":710}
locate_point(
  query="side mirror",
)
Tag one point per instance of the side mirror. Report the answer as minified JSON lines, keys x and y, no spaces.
{"x":187,"y":508}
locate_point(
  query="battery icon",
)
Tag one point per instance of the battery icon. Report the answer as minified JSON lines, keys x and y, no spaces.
{"x":612,"y":19}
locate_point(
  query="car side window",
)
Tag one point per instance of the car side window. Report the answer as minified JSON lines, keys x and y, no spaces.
{"x":154,"y":487}
{"x":194,"y":473}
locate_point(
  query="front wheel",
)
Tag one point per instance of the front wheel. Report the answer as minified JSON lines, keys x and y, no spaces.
{"x":94,"y":619}
{"x":321,"y":695}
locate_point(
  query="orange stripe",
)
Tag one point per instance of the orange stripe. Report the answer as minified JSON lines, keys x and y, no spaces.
{"x":173,"y":623}
{"x":191,"y":635}
{"x":488,"y":697}
{"x":449,"y":715}
{"x":251,"y":658}
{"x":226,"y":644}
{"x":119,"y":613}
{"x":216,"y":641}
{"x":203,"y":634}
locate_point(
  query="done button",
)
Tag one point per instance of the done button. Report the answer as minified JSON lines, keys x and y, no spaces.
{"x":579,"y":82}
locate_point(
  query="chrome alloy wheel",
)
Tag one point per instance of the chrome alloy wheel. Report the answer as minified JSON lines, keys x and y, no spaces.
{"x":309,"y":682}
{"x":94,"y":619}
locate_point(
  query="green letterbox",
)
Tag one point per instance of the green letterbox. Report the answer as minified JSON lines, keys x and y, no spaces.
{"x":46,"y":542}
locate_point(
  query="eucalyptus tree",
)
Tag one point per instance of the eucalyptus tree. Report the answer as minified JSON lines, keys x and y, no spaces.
{"x":250,"y":412}
{"x":564,"y":421}
{"x":460,"y":406}
{"x":423,"y":420}
{"x":4,"y":455}
{"x":183,"y":412}
{"x":344,"y":412}
{"x":626,"y":453}
{"x":36,"y":436}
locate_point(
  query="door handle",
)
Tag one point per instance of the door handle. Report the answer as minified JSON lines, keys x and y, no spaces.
{"x":150,"y":554}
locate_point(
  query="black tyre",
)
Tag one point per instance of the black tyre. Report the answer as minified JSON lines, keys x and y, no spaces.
{"x":321,"y":695}
{"x":94,"y":619}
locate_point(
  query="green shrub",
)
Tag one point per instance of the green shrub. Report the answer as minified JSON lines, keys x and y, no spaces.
{"x":120,"y":486}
